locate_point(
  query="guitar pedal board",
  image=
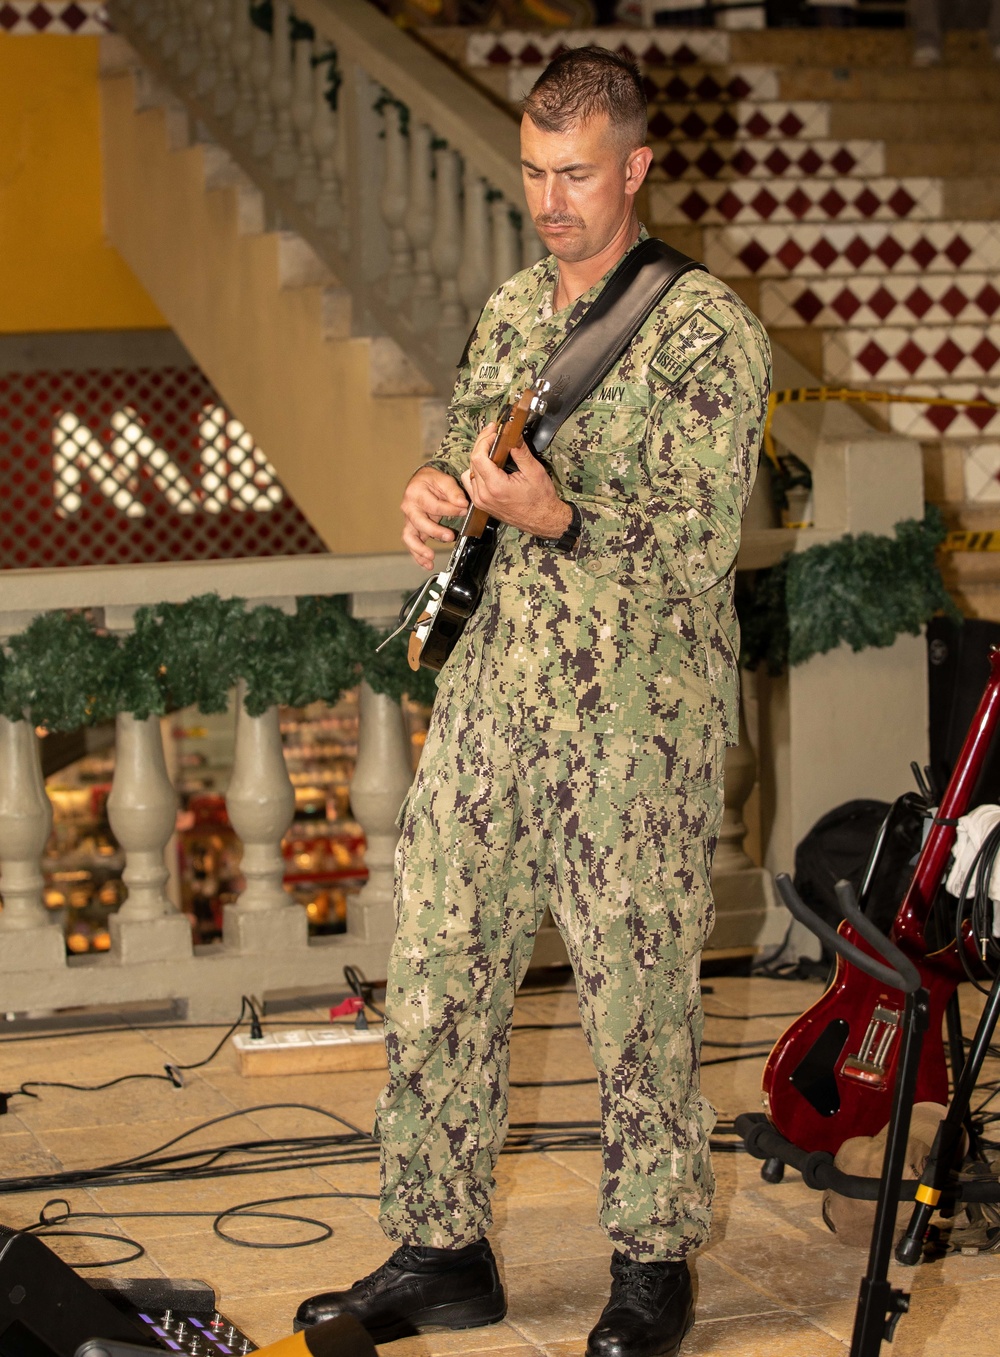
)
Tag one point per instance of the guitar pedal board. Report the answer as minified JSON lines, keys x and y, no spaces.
{"x":204,"y":1333}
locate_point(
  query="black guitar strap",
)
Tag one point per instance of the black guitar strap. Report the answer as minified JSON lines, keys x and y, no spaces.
{"x":594,"y":346}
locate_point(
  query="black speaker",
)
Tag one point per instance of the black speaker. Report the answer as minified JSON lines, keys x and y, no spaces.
{"x":46,"y":1310}
{"x":958,"y":668}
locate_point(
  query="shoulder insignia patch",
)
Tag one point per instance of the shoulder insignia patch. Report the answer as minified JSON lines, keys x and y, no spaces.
{"x":679,"y":350}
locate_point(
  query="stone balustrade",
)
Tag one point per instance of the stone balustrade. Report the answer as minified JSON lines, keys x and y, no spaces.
{"x":364,"y":144}
{"x":265,"y":944}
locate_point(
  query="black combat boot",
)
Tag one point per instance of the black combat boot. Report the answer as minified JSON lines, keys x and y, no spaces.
{"x":417,"y":1288}
{"x":649,"y":1312}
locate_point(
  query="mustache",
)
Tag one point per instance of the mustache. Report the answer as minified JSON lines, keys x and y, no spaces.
{"x":557,"y":219}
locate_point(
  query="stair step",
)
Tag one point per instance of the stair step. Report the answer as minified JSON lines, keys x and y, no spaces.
{"x":865,"y":47}
{"x":859,"y":84}
{"x":773,"y":120}
{"x":972,"y":199}
{"x":906,"y":120}
{"x":969,"y":156}
{"x":779,"y":159}
{"x":390,"y":371}
{"x":299,"y":265}
{"x":930,"y":299}
{"x":931,"y":422}
{"x":743,"y":200}
{"x":897,"y":354}
{"x":960,"y":247}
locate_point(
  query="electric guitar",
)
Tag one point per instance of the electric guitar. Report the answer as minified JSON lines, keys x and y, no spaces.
{"x":440,"y":609}
{"x":831,"y":1075}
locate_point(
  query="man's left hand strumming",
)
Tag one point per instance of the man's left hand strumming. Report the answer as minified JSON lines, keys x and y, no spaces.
{"x":524,"y":498}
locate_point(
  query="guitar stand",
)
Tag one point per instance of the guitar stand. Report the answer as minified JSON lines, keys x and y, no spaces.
{"x":880,"y":1306}
{"x":947,"y":1142}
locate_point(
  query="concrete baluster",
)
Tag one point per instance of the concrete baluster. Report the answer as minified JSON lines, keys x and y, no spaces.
{"x":382,"y":777}
{"x":283,"y":150}
{"x":326,"y":135}
{"x":142,"y":810}
{"x":260,"y":66}
{"x":747,"y":912}
{"x":29,"y":939}
{"x":446,"y":247}
{"x":208,"y":68}
{"x":223,"y":30}
{"x":306,"y":77}
{"x":172,"y":34}
{"x":532,"y":248}
{"x":474,"y":273}
{"x":242,"y":47}
{"x":189,"y":46}
{"x":741,"y":775}
{"x":261,"y":805}
{"x":342,"y":162}
{"x":506,"y":242}
{"x":420,"y":227}
{"x":151,"y":17}
{"x":394,"y":200}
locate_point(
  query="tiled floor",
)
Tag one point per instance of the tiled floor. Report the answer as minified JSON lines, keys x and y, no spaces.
{"x":773,"y":1281}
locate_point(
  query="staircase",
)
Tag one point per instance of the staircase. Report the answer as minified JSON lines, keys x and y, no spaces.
{"x":851,"y":200}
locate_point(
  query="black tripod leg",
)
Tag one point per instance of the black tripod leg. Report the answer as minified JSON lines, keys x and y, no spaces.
{"x":946,"y":1142}
{"x":956,"y":1059}
{"x":879,"y":1304}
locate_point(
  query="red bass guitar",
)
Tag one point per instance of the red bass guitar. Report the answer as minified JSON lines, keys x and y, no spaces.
{"x":831,"y":1074}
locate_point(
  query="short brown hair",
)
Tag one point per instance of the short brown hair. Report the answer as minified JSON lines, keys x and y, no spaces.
{"x":582,"y":84}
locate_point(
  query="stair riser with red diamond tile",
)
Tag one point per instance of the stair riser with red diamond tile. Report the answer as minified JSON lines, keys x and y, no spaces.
{"x":739,"y":121}
{"x":927,"y":353}
{"x":930,"y":299}
{"x":22,"y":18}
{"x":771,"y":160}
{"x":844,"y":251}
{"x":843,"y":200}
{"x":683,"y":85}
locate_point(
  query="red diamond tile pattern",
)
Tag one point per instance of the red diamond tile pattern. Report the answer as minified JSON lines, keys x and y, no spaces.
{"x":925,"y":353}
{"x":932,"y":247}
{"x":770,"y":160}
{"x":26,"y":17}
{"x":678,"y":85}
{"x":662,"y":47}
{"x":873,"y":301}
{"x":63,"y":521}
{"x":747,"y":200}
{"x":930,"y":420}
{"x":760,"y":121}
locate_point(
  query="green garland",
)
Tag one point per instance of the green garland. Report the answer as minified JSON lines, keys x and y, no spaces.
{"x":63,"y":672}
{"x":865,"y":590}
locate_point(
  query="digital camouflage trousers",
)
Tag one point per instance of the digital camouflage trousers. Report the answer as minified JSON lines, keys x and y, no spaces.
{"x":615,"y":833}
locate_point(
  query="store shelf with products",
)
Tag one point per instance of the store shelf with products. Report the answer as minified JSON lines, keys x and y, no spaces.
{"x":324,"y":848}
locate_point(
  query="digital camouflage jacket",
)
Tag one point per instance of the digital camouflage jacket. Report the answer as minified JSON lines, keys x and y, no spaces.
{"x":635,"y":630}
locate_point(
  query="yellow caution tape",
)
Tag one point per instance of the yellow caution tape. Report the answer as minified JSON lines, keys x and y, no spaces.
{"x":798,"y":395}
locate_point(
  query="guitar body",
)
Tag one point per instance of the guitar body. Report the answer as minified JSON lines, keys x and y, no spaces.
{"x":451,"y":598}
{"x":831,"y":1075}
{"x":460,"y":595}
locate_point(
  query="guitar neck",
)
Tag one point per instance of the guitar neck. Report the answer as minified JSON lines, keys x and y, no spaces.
{"x":510,"y":431}
{"x":913,"y":912}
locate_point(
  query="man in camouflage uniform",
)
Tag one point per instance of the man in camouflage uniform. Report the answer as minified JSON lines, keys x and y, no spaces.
{"x":575,"y":754}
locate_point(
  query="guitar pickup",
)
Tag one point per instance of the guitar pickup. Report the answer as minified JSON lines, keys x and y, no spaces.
{"x":868,"y":1066}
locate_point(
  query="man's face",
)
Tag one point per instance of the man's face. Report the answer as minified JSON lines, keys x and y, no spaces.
{"x":579,"y":185}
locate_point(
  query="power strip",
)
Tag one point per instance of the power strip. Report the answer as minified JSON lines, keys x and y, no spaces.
{"x":315,"y":1050}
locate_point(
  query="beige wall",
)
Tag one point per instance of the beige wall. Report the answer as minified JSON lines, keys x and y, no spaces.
{"x":343,"y":455}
